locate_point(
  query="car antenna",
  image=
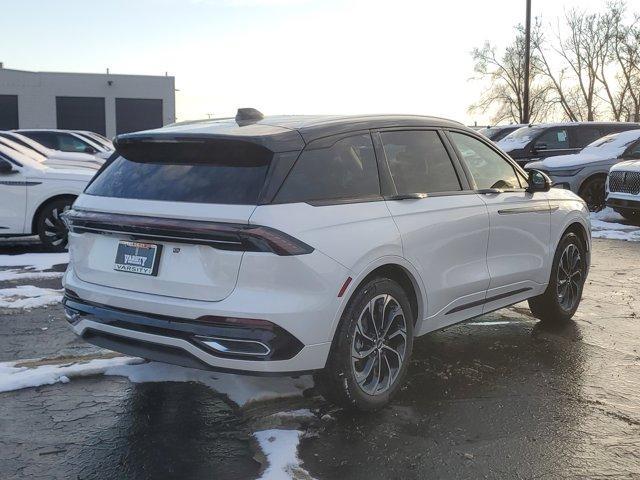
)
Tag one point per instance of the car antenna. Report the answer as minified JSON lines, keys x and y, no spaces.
{"x":248,"y":115}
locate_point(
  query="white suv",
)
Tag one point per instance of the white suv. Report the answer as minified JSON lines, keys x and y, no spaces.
{"x":282,"y":245}
{"x":623,"y":189}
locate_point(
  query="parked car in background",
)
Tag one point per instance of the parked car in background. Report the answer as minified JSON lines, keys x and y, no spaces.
{"x":33,"y":195}
{"x":287,"y":244}
{"x":63,"y":140}
{"x":585,"y":173}
{"x":537,"y":142}
{"x":623,"y":189}
{"x":39,"y":152}
{"x":94,"y":137}
{"x":498,"y":132}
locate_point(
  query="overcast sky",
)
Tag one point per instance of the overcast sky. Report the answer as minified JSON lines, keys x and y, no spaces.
{"x":280,"y":56}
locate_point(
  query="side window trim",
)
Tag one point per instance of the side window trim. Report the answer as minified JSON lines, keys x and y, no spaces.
{"x":517,"y":168}
{"x":387,"y":185}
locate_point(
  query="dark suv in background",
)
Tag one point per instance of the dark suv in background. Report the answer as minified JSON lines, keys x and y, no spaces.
{"x":537,"y":142}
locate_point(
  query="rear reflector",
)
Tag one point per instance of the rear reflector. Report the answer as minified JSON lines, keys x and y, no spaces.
{"x":345,"y":285}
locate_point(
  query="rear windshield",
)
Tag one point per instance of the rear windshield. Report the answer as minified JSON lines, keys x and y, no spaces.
{"x":184,"y":173}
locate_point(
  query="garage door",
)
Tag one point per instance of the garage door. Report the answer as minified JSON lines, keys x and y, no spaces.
{"x":81,"y":113}
{"x":135,"y":114}
{"x":8,"y":112}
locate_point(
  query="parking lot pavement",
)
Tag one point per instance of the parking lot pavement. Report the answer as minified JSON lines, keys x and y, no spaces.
{"x":501,"y":396}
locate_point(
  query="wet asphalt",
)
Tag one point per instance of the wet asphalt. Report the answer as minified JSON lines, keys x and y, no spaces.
{"x":502,"y":396}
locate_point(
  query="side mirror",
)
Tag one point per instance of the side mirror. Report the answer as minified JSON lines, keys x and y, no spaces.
{"x":90,"y":150}
{"x":5,"y":167}
{"x":540,"y":146}
{"x":538,"y":181}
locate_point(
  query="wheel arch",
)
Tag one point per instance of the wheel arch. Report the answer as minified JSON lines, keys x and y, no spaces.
{"x":398,"y":269}
{"x":43,"y":204}
{"x":593,"y":176}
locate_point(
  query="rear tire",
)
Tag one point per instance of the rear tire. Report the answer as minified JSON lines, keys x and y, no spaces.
{"x":50,"y":227}
{"x":370,"y":353}
{"x":562,"y":297}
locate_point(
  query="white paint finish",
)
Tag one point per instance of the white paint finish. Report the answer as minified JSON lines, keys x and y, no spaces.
{"x":445,"y":238}
{"x":354,"y":234}
{"x":196,"y":272}
{"x":519,"y":240}
{"x":19,"y":204}
{"x":13,"y":202}
{"x":37,"y":92}
{"x":298,"y":293}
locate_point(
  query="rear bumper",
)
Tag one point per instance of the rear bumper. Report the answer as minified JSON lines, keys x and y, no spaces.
{"x":179,"y":341}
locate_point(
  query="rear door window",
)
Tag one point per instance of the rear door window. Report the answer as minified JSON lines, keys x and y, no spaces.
{"x":212,"y":172}
{"x":346,"y":170}
{"x":419,"y":163}
{"x":584,"y":135}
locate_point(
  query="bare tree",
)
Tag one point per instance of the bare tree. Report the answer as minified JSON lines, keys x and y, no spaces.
{"x":505,"y":72}
{"x":583,"y":51}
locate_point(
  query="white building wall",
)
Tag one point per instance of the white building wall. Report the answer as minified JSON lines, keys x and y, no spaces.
{"x":37,"y":92}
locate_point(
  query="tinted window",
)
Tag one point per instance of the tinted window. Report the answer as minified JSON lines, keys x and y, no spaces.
{"x":70,"y":143}
{"x":419,"y":162}
{"x":488,"y":169}
{"x":48,"y":139}
{"x":584,"y":135}
{"x":347,"y":169}
{"x":554,"y":139}
{"x":634,"y":151}
{"x":184,"y":174}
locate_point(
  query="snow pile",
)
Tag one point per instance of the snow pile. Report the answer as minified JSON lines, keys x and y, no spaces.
{"x":13,"y":377}
{"x":281,"y":450}
{"x":34,"y":261}
{"x":28,"y":296}
{"x":606,"y":224}
{"x":240,"y":389}
{"x":32,"y":265}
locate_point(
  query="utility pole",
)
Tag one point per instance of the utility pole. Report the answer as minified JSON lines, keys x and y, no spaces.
{"x":527,"y":65}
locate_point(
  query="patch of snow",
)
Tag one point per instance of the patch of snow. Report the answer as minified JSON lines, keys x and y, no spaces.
{"x":28,"y":296}
{"x":605,"y":224}
{"x":34,"y":261}
{"x":14,"y":377}
{"x":301,"y":413}
{"x":240,"y":389}
{"x":281,"y":450}
{"x":28,"y":275}
{"x":499,"y":322}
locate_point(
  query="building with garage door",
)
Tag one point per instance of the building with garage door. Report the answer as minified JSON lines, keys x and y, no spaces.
{"x":104,"y":103}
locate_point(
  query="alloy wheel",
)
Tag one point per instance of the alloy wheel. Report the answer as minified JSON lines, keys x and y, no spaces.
{"x":55,"y":231}
{"x":379,"y":345}
{"x":569,"y":277}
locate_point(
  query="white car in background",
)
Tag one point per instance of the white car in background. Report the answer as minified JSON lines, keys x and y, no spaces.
{"x":585,"y":172}
{"x":623,"y":189}
{"x":33,"y":195}
{"x":66,"y":141}
{"x":57,"y":158}
{"x":17,"y":139}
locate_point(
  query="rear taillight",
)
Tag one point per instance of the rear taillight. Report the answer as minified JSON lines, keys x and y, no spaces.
{"x":223,"y":236}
